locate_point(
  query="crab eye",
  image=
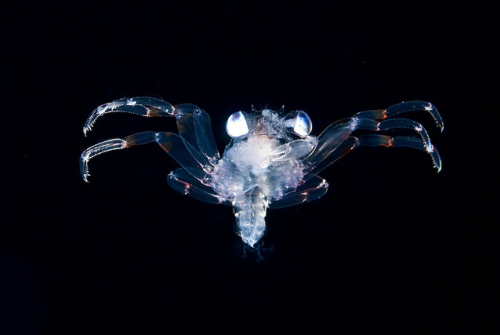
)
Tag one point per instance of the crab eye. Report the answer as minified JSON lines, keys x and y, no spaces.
{"x":299,"y":123}
{"x":237,"y":125}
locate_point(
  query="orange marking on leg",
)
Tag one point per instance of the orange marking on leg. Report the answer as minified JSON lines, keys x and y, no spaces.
{"x":131,"y":141}
{"x":167,"y":145}
{"x":382,"y":114}
{"x":386,"y":141}
{"x":154,"y":112}
{"x":348,"y":149}
{"x":182,"y":129}
{"x":182,"y":122}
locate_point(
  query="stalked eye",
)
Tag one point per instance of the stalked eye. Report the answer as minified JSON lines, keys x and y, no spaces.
{"x":299,"y":123}
{"x":237,"y":125}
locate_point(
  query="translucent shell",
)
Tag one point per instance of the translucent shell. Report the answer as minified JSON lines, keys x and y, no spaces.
{"x":272,"y":161}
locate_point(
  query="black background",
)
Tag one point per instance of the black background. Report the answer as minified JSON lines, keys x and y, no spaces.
{"x":393,"y":247}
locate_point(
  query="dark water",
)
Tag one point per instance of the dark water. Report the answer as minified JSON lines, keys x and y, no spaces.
{"x":392,"y":248}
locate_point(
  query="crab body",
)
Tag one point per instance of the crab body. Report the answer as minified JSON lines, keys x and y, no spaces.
{"x":272,"y":160}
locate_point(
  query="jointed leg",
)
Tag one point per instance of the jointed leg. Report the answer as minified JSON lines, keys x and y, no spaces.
{"x":374,"y":140}
{"x":196,"y":164}
{"x":312,"y":189}
{"x":398,"y":123}
{"x":144,"y":106}
{"x":404,"y":107}
{"x":336,"y":140}
{"x":183,"y":182}
{"x":193,"y":123}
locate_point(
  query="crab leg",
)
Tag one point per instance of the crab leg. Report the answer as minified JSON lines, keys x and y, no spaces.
{"x":375,"y":140}
{"x":328,"y":152}
{"x":143,"y":106}
{"x":184,"y":183}
{"x":404,"y":107}
{"x":312,"y":189}
{"x":398,"y":123}
{"x":193,"y":123}
{"x":335,"y":141}
{"x":196,"y":164}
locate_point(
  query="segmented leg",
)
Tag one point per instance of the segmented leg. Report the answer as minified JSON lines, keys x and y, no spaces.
{"x":193,"y":123}
{"x":335,"y":141}
{"x":403,"y":107}
{"x":144,"y":106}
{"x":196,"y":164}
{"x":184,"y":183}
{"x":400,"y":123}
{"x":375,"y":140}
{"x":312,"y":189}
{"x":328,"y":152}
